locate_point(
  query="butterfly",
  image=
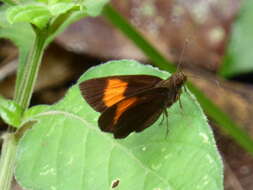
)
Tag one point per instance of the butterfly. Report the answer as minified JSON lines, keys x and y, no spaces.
{"x":131,"y":103}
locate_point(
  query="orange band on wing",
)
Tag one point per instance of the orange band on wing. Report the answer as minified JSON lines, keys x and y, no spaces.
{"x":122,"y":107}
{"x":114,"y":91}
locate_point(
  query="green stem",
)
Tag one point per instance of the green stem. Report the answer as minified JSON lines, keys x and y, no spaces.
{"x":22,"y":96}
{"x":24,"y":92}
{"x":7,"y":161}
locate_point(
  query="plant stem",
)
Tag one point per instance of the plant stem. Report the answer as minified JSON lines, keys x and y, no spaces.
{"x":24,"y":92}
{"x":22,"y":96}
{"x":7,"y":161}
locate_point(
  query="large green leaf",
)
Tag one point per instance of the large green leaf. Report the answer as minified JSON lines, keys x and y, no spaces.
{"x":239,"y":54}
{"x":65,"y":150}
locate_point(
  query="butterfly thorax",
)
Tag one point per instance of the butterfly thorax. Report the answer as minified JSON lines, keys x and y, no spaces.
{"x":174,"y":85}
{"x":175,"y":81}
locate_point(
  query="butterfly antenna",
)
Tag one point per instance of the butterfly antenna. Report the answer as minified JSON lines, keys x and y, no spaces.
{"x":179,"y":68}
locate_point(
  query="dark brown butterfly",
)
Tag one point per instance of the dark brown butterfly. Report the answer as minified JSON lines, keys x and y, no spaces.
{"x":131,"y":102}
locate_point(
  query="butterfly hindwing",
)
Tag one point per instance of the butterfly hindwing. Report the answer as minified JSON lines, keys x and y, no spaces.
{"x":134,"y":113}
{"x":102,"y":93}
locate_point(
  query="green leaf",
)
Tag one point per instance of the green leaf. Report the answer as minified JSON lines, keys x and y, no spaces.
{"x":239,"y":55}
{"x":94,"y":8}
{"x":33,"y":111}
{"x":21,"y":33}
{"x":10,"y":112}
{"x":40,"y":14}
{"x":36,"y":14}
{"x":50,"y":2}
{"x":61,"y":8}
{"x":10,"y":2}
{"x":65,"y":150}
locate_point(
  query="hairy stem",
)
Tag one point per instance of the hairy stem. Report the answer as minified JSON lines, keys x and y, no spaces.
{"x":7,"y":161}
{"x":24,"y":92}
{"x":22,"y":96}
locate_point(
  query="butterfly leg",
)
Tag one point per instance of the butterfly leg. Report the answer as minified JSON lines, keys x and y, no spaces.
{"x":161,"y":122}
{"x":188,"y":92}
{"x":167,"y":122}
{"x":180,"y":104}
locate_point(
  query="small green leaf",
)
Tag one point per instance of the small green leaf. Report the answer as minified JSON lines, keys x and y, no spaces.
{"x":51,"y":2}
{"x":38,"y":15}
{"x":61,"y":8}
{"x":239,"y":54}
{"x":10,"y":2}
{"x":20,"y":34}
{"x":10,"y":112}
{"x":33,"y":111}
{"x":94,"y":8}
{"x":65,"y":149}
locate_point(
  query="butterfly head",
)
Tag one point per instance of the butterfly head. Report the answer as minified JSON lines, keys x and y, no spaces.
{"x":178,"y":79}
{"x":175,"y":81}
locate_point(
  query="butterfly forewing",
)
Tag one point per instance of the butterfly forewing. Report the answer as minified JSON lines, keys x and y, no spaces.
{"x":102,"y":93}
{"x":134,"y":113}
